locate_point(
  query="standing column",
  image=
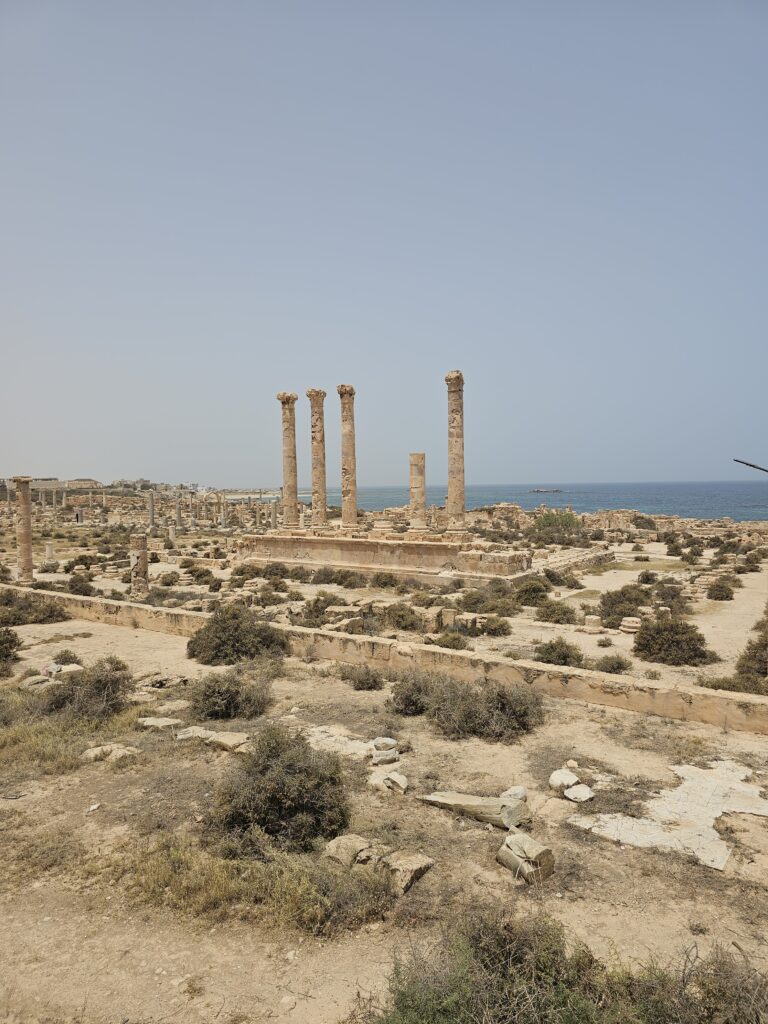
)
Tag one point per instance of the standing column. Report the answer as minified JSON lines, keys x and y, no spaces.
{"x":290,"y":477}
{"x":23,"y":529}
{"x":348,"y":461}
{"x":151,"y":507}
{"x":454,"y":505}
{"x":273,"y":515}
{"x":418,"y":491}
{"x":178,"y":513}
{"x":139,"y":566}
{"x":316,"y":398}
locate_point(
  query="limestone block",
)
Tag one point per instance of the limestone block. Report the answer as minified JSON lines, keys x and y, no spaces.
{"x":108,"y":752}
{"x":346,"y":849}
{"x":228,"y":740}
{"x":526,"y":857}
{"x":195,"y":732}
{"x":405,"y":868}
{"x":385,"y":756}
{"x":396,"y":781}
{"x":563,"y":778}
{"x":159,"y":724}
{"x":579,"y":794}
{"x":501,"y":812}
{"x":384,"y":743}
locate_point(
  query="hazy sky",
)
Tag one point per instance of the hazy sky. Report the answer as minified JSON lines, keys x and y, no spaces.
{"x":202,"y":204}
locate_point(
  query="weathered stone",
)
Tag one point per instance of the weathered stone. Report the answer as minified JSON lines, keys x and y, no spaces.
{"x":109,"y":752}
{"x":526,"y":857}
{"x":228,"y":740}
{"x":316,"y":398}
{"x":159,"y":724}
{"x":578,"y":794}
{"x":195,"y":732}
{"x":348,"y":457}
{"x":514,"y":793}
{"x":454,"y":505}
{"x":384,"y":743}
{"x":385,"y":756}
{"x":563,"y":778}
{"x":168,"y":707}
{"x":290,"y":476}
{"x":139,"y":567}
{"x":418,"y":491}
{"x":346,"y":849}
{"x":503,"y":813}
{"x":395,"y":781}
{"x":24,"y":529}
{"x":404,"y":868}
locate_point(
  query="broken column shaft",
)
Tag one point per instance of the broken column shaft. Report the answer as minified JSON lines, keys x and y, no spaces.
{"x":454,"y":505}
{"x":290,"y":476}
{"x":24,"y":529}
{"x":348,"y":460}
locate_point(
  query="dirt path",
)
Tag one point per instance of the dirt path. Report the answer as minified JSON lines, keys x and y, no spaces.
{"x":64,"y":955}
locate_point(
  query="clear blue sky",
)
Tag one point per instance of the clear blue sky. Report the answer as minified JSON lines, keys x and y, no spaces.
{"x":202,"y":204}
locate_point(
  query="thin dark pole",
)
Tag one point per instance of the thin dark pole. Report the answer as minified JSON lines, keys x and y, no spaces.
{"x":751,"y":465}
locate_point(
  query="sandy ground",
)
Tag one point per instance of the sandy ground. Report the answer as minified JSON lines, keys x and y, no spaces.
{"x":72,"y":948}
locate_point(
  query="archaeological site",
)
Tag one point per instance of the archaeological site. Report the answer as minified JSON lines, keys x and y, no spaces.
{"x":257,"y":749}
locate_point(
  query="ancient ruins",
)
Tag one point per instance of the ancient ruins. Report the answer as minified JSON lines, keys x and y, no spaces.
{"x":536,"y":705}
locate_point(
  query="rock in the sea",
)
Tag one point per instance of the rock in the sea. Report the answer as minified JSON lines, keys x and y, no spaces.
{"x":346,"y":849}
{"x":562,"y":779}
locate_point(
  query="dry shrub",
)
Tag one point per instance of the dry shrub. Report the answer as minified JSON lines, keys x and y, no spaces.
{"x":98,"y":693}
{"x":497,"y":969}
{"x":283,"y":788}
{"x":671,"y":641}
{"x":487,"y":709}
{"x":556,"y":611}
{"x":19,"y":608}
{"x":242,"y":692}
{"x":559,"y":652}
{"x":362,"y":677}
{"x":232,"y":634}
{"x":290,"y":890}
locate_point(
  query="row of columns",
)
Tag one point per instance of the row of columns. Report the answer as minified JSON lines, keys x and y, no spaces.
{"x":418,"y":494}
{"x":316,"y":398}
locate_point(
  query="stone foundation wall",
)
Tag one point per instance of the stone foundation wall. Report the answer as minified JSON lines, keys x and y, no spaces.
{"x":740,"y":711}
{"x":360,"y":552}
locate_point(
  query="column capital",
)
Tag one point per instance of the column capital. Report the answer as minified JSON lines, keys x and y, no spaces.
{"x":22,"y":479}
{"x":315,"y":395}
{"x":455,"y":380}
{"x":287,"y":397}
{"x":346,"y":390}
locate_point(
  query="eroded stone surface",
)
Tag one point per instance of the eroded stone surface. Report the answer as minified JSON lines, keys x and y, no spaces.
{"x":683,"y":819}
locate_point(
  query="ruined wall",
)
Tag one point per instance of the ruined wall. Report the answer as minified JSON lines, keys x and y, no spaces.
{"x":740,"y":711}
{"x":354,"y":552}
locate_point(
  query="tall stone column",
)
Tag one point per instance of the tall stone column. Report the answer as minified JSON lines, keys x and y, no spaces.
{"x":454,"y":505}
{"x":316,"y":398}
{"x":418,"y":491}
{"x":139,"y":566}
{"x":151,"y":508}
{"x":348,"y":460}
{"x":24,"y":529}
{"x":290,"y":475}
{"x":178,"y":514}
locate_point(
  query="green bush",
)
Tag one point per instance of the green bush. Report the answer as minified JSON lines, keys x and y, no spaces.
{"x":646,"y":577}
{"x":80,"y":585}
{"x":559,"y":652}
{"x":242,"y":692}
{"x":98,"y":693}
{"x":10,"y":643}
{"x":532,"y":591}
{"x":362,"y":677}
{"x":170,"y":579}
{"x":497,"y":969}
{"x":402,"y":616}
{"x":615,"y":663}
{"x":21,"y":608}
{"x":495,"y":626}
{"x":66,"y":657}
{"x":487,"y":709}
{"x":283,"y":788}
{"x":605,"y":641}
{"x":555,"y":611}
{"x":720,"y":590}
{"x":233,"y":634}
{"x":642,"y":522}
{"x":453,"y":641}
{"x":671,"y":641}
{"x":616,"y":604}
{"x":383,"y":579}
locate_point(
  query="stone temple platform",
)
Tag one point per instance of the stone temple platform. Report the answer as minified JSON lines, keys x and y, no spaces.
{"x":422,"y":559}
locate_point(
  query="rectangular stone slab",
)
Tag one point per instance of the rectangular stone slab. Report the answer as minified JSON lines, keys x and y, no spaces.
{"x":503,"y":813}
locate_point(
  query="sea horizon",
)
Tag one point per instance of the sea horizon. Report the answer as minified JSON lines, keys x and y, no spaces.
{"x":707,"y":499}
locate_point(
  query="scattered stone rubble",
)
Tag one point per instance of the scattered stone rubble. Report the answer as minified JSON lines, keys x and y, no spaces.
{"x":403,"y":867}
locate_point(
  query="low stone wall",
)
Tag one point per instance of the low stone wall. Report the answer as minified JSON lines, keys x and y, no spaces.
{"x":373,"y":553}
{"x":739,"y":711}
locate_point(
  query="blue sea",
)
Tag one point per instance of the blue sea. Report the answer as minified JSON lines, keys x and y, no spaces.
{"x":738,"y":499}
